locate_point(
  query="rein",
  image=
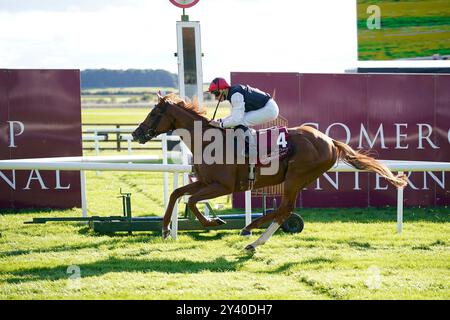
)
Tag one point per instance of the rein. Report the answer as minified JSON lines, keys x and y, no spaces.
{"x":215,"y":111}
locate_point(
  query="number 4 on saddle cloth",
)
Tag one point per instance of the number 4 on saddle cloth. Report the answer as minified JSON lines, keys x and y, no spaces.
{"x":272,"y":143}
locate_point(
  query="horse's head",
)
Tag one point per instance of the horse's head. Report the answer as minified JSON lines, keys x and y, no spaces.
{"x":156,"y":122}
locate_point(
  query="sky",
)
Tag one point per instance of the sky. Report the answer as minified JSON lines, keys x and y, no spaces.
{"x":236,"y":35}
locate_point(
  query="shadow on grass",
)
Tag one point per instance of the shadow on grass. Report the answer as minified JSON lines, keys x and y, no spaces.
{"x":129,"y":265}
{"x":206,"y":235}
{"x":360,"y":245}
{"x":66,"y":248}
{"x":113,"y":240}
{"x":286,"y":267}
{"x":183,"y":266}
{"x":143,"y":235}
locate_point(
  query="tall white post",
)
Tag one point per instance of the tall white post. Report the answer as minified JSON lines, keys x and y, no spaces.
{"x":400,"y":209}
{"x":189,"y":53}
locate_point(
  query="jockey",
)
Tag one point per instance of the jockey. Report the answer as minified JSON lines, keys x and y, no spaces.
{"x":250,"y":107}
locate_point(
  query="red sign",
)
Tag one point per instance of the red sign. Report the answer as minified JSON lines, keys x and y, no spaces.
{"x":184,"y":3}
{"x":40,"y":116}
{"x":396,"y":116}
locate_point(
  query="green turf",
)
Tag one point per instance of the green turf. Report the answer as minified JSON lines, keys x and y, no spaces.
{"x":341,"y":254}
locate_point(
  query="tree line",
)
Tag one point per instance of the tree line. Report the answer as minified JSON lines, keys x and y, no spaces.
{"x":107,"y":78}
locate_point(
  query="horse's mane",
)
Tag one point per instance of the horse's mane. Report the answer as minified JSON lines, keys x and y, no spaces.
{"x":192,"y":107}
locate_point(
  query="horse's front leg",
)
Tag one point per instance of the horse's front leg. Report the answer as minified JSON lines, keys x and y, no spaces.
{"x":177,"y":193}
{"x":209,"y":191}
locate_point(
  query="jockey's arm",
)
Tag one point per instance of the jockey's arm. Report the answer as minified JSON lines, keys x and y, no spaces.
{"x":237,"y":111}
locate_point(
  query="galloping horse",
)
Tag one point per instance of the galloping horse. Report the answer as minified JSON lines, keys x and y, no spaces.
{"x":311,"y":154}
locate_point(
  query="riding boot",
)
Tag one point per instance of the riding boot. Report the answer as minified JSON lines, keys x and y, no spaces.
{"x":248,"y":142}
{"x":251,"y":151}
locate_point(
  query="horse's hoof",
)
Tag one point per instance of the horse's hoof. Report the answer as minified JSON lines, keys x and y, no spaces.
{"x":250,"y":248}
{"x":165,"y":234}
{"x":219,"y":221}
{"x":245,"y":233}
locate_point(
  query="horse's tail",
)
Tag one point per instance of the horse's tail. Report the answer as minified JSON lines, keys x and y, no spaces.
{"x":361,"y":161}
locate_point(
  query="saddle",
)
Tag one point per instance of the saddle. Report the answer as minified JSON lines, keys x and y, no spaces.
{"x":271,"y":144}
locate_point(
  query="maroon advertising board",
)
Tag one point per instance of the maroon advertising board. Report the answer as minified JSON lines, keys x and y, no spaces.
{"x":395,"y":116}
{"x":40,"y":117}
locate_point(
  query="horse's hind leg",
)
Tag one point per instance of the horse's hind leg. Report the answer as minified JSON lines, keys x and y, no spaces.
{"x":293,"y":184}
{"x":258,"y":222}
{"x":287,"y":205}
{"x":278,"y":217}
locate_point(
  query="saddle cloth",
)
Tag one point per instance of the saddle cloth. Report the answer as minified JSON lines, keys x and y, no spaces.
{"x":272,"y":144}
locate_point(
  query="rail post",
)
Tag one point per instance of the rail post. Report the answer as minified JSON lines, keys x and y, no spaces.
{"x":248,"y":207}
{"x":118,"y":138}
{"x":400,"y":208}
{"x":83,"y":193}
{"x":175,"y":209}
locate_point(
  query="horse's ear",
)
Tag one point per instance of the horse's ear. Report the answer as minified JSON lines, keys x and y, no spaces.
{"x":160,"y":97}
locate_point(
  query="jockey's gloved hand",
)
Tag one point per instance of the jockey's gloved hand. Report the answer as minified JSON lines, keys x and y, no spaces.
{"x":216,"y":123}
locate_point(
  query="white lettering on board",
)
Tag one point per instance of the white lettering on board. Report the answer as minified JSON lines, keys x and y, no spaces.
{"x":38,"y":177}
{"x":427,"y":137}
{"x":13,"y":133}
{"x":10,"y":182}
{"x":58,"y":182}
{"x":399,"y":135}
{"x":371,"y":143}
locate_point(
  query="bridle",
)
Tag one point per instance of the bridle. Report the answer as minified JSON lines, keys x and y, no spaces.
{"x":149,"y":131}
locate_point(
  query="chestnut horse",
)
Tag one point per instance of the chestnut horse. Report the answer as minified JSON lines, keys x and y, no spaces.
{"x":311,"y":154}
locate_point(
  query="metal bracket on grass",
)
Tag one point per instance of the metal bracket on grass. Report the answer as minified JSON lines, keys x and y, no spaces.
{"x":126,"y":206}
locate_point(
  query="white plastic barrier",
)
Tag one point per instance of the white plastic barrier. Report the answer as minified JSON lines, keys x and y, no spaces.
{"x":110,"y":164}
{"x":96,"y":139}
{"x":126,"y":137}
{"x":54,"y":164}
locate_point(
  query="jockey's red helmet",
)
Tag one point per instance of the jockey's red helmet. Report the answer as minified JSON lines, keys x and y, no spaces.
{"x":218,"y":84}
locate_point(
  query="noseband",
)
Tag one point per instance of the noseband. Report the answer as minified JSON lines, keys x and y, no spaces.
{"x":150,"y":132}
